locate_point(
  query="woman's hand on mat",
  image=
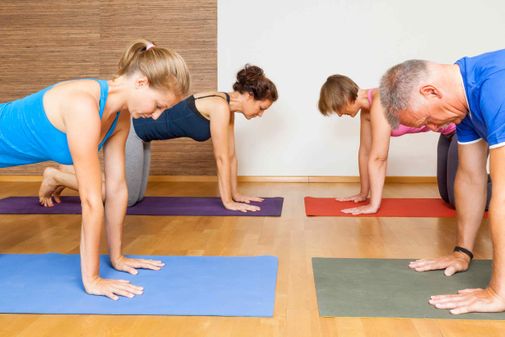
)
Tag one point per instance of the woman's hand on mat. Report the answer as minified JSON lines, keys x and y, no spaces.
{"x":246,"y":199}
{"x":242,"y":207}
{"x":470,"y":300}
{"x":112,"y":288}
{"x":365,"y":209}
{"x":356,"y":198}
{"x":129,"y":265}
{"x":453,"y":263}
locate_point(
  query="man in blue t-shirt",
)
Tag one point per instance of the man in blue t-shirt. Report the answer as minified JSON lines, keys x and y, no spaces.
{"x":470,"y":93}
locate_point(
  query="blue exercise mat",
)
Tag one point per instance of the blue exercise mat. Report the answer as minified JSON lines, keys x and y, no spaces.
{"x":186,"y":286}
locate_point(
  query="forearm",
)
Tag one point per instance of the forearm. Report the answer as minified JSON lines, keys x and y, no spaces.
{"x":233,"y":176}
{"x":115,"y":210}
{"x":91,"y":230}
{"x":497,"y":228}
{"x":376,"y":174}
{"x":363,"y":172}
{"x":470,"y":195}
{"x":224,"y":172}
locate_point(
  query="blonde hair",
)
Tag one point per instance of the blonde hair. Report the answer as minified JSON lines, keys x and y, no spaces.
{"x":164,"y":68}
{"x":336,"y":92}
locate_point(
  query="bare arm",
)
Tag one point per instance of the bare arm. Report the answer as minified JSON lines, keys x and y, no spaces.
{"x":220,"y":131}
{"x":377,"y":164}
{"x":365,"y":145}
{"x":470,"y":191}
{"x":83,"y":126}
{"x":234,"y":166}
{"x":116,"y":191}
{"x":377,"y":161}
{"x":492,"y":298}
{"x":497,"y":221}
{"x":116,"y":198}
{"x":233,"y":157}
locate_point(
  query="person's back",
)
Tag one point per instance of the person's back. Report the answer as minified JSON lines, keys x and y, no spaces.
{"x":181,"y":120}
{"x":27,"y":136}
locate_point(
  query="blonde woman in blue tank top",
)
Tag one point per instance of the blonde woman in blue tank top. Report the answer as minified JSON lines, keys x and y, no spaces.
{"x":70,"y":121}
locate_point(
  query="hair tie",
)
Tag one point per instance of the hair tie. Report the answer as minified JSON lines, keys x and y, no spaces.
{"x":149,"y":45}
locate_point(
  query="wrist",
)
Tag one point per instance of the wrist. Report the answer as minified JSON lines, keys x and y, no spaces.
{"x":462,"y":251}
{"x":227,"y":202}
{"x":89,"y":280}
{"x":115,"y":258}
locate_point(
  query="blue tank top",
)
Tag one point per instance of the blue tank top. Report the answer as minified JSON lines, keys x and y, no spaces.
{"x":27,"y":136}
{"x":181,"y":120}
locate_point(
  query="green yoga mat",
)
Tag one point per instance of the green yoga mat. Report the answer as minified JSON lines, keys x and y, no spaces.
{"x":388,"y":288}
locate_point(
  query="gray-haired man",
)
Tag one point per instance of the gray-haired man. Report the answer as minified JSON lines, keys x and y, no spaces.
{"x":470,"y":93}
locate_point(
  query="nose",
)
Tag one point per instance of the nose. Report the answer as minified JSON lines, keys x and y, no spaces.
{"x":156,"y":114}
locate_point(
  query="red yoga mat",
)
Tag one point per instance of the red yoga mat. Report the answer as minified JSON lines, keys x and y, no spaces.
{"x":390,"y":207}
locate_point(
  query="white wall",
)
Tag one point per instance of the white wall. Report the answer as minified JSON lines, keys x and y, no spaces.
{"x":300,"y":42}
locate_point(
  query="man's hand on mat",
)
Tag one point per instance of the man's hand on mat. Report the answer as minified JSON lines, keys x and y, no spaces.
{"x":356,"y":198}
{"x":242,"y":207}
{"x":246,"y":199}
{"x":131,"y":265}
{"x":365,"y":209}
{"x":470,"y":300}
{"x":453,"y":263}
{"x":112,"y":288}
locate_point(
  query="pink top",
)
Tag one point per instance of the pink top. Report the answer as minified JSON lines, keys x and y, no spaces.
{"x":403,"y":129}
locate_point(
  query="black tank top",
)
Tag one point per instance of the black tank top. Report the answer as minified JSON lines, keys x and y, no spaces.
{"x":181,"y":120}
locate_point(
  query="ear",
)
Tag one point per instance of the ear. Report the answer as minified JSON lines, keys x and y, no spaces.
{"x":430,"y":91}
{"x":248,"y":96}
{"x":141,"y":81}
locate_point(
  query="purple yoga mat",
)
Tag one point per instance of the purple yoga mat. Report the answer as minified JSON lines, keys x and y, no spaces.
{"x":205,"y":206}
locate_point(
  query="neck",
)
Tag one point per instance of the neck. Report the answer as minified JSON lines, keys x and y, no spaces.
{"x":235,"y":101}
{"x":116,"y":100}
{"x":459,"y":89}
{"x":362,"y":100}
{"x":451,"y":78}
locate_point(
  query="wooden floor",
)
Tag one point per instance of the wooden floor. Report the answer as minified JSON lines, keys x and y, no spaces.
{"x":294,"y":238}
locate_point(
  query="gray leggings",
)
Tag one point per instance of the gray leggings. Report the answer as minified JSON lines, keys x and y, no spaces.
{"x":138,"y":162}
{"x":447,"y":165}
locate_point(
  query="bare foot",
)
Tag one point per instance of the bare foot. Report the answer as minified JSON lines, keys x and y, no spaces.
{"x":67,"y":168}
{"x":57,"y":193}
{"x":48,"y":187}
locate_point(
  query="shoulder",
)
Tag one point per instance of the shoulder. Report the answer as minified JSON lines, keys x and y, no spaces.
{"x":214,"y":105}
{"x":492,"y":100}
{"x":79,"y":95}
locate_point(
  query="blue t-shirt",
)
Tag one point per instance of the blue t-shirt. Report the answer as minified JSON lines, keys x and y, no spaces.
{"x":484,"y":81}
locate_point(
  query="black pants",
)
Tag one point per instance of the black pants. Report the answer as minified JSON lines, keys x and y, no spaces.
{"x":447,"y":165}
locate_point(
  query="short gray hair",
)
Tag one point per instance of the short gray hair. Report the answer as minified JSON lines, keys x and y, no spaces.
{"x":397,"y":85}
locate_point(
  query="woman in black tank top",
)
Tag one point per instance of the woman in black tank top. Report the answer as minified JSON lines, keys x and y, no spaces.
{"x":200,"y":117}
